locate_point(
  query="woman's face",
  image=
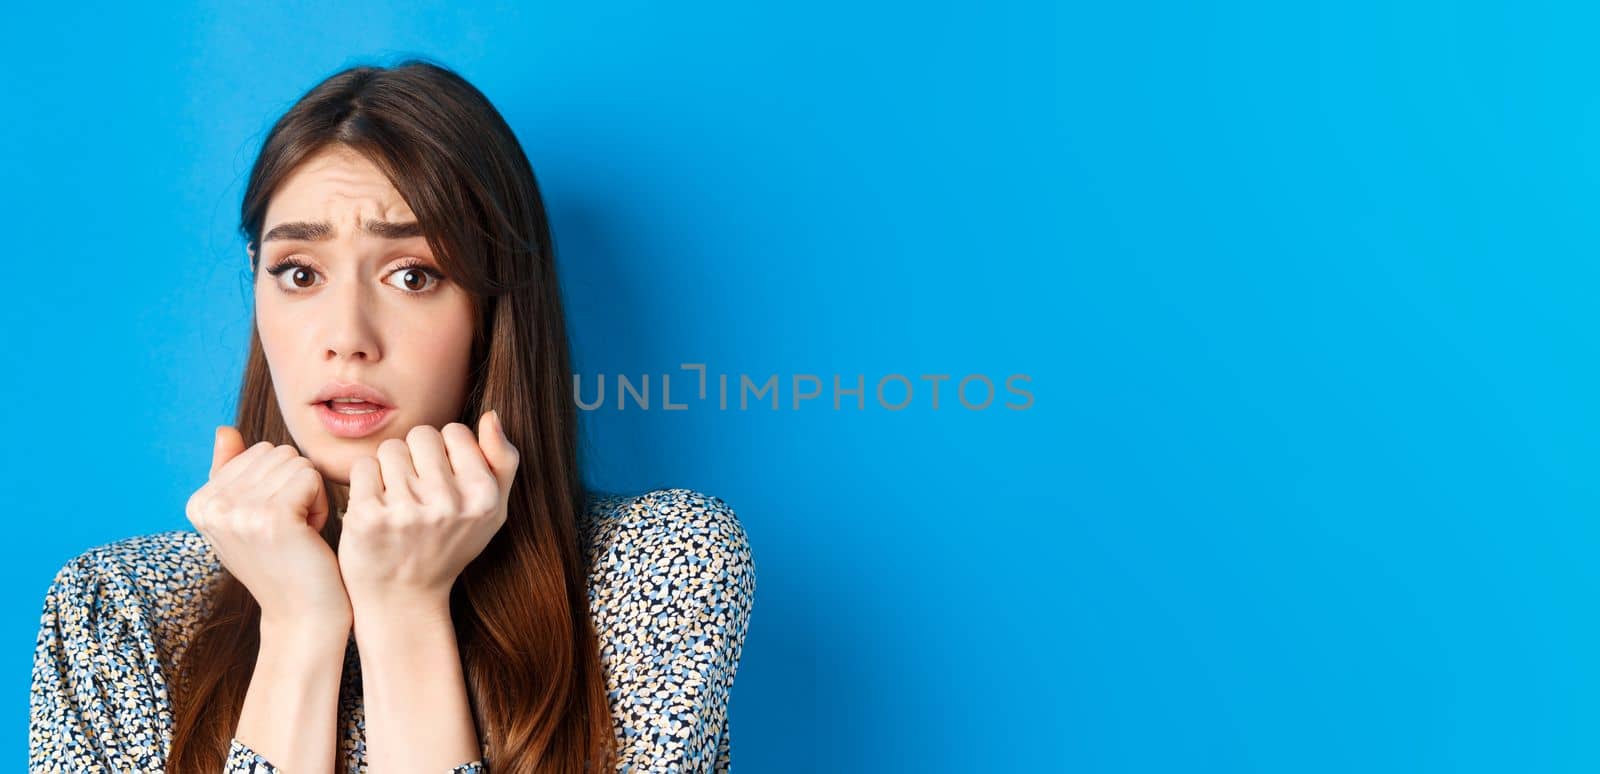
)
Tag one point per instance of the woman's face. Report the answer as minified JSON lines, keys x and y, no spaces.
{"x":357,"y":312}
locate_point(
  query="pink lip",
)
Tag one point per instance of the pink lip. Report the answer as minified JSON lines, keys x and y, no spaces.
{"x":352,"y":425}
{"x":337,"y":389}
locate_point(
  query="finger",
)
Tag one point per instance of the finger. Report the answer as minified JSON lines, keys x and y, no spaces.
{"x":226,"y":444}
{"x":428,"y":454}
{"x":252,"y":463}
{"x":277,"y":482}
{"x":466,"y":458}
{"x":501,"y":455}
{"x":394,"y":463}
{"x":365,"y":481}
{"x":318,"y":515}
{"x":296,"y":484}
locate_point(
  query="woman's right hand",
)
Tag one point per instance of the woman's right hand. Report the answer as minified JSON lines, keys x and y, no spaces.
{"x":262,"y":511}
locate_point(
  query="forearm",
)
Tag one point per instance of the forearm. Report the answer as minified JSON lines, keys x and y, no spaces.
{"x":417,"y":714}
{"x":290,"y":713}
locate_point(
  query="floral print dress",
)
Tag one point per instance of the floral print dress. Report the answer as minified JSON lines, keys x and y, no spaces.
{"x":671,"y":585}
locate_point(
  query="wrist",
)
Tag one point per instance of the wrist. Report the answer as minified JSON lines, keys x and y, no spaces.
{"x":399,"y":607}
{"x":400,"y":614}
{"x":306,"y":632}
{"x":401,"y":620}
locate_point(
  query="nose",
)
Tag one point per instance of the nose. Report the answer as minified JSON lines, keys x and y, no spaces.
{"x":351,"y":333}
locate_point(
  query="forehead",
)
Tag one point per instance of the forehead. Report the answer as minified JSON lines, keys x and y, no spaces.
{"x":337,"y":185}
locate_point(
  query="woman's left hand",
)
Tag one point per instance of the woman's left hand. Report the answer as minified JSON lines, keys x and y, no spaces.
{"x":420,"y":511}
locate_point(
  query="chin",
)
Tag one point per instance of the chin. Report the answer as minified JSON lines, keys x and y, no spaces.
{"x":334,"y":472}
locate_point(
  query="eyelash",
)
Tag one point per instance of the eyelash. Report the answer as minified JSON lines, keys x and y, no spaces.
{"x":414,"y":263}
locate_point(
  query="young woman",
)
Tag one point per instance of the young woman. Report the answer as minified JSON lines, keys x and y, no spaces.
{"x":394,"y":564}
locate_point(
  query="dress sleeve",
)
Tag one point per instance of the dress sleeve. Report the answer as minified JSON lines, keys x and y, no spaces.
{"x":671,"y":596}
{"x":97,"y":701}
{"x":243,"y":760}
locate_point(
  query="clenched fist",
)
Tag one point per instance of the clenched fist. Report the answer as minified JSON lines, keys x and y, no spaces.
{"x":262,"y":511}
{"x":421,"y":510}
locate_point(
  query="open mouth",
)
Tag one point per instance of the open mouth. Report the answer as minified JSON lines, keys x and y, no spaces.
{"x":353,"y":419}
{"x":352,"y":407}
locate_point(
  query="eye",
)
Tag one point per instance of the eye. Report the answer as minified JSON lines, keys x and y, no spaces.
{"x":416,"y":276}
{"x":301,"y":272}
{"x":419,"y":272}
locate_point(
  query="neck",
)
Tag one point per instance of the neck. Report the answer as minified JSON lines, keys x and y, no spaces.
{"x":338,"y":497}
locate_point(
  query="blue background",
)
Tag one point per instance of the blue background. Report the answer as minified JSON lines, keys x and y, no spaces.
{"x":1306,"y":296}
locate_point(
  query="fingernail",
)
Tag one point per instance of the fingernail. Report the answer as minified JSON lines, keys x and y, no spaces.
{"x":499,"y":428}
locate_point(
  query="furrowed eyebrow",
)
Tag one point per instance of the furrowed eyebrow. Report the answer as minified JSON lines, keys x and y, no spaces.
{"x":304,"y":231}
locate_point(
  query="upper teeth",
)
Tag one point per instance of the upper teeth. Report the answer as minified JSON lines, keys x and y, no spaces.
{"x":348,"y":400}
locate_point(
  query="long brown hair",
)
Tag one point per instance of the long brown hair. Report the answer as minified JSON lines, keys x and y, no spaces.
{"x":527,"y":644}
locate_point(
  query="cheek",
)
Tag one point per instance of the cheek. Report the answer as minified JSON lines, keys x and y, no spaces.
{"x":270,"y":320}
{"x":276,"y":336}
{"x":448,"y":333}
{"x":442,"y":349}
{"x":282,"y":345}
{"x":437,"y":355}
{"x":445,"y":337}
